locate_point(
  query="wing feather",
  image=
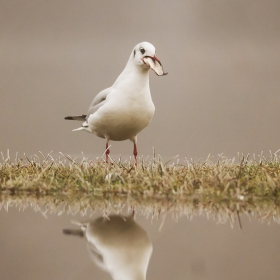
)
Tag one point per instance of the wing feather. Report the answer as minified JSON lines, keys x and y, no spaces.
{"x":98,"y":101}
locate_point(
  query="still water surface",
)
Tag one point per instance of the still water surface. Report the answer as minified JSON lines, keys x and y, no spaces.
{"x":35,"y":247}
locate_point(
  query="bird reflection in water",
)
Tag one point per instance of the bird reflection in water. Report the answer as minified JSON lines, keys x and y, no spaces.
{"x":118,"y":245}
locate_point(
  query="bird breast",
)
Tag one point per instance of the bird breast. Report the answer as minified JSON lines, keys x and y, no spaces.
{"x":123,"y":116}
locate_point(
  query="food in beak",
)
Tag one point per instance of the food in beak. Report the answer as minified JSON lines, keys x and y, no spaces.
{"x":154,"y":64}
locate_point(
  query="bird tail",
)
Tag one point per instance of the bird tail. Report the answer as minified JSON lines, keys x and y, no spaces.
{"x":83,"y":225}
{"x":80,"y":128}
{"x":75,"y":232}
{"x":76,"y":118}
{"x":79,"y":118}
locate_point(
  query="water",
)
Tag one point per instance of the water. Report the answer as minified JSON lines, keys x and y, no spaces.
{"x":34,"y":247}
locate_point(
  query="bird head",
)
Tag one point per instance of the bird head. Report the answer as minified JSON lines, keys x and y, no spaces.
{"x":144,"y":55}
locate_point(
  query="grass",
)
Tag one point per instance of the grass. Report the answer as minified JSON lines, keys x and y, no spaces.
{"x":223,"y":190}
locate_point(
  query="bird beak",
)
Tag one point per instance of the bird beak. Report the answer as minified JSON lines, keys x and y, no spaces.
{"x":154,"y":63}
{"x":156,"y":59}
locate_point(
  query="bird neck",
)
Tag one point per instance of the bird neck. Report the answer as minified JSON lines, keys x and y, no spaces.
{"x":133,"y":67}
{"x":130,"y":275}
{"x":135,"y":73}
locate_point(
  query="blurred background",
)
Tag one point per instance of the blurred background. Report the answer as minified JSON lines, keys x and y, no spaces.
{"x":221,"y":94}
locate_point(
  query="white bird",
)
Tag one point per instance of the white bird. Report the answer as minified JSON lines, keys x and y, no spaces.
{"x":118,"y":245}
{"x":121,"y":111}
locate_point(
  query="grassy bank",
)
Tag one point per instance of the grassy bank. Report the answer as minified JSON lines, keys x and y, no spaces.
{"x":222,"y":190}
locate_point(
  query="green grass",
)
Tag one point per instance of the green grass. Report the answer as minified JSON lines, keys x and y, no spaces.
{"x":223,"y":190}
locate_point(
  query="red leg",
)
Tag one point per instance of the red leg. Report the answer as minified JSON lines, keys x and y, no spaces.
{"x":107,"y":152}
{"x":135,"y":153}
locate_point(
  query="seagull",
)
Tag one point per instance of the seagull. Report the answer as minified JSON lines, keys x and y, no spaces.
{"x":121,"y":111}
{"x":117,"y":244}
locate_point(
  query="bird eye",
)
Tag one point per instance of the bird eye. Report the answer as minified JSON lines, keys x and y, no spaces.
{"x":142,"y":50}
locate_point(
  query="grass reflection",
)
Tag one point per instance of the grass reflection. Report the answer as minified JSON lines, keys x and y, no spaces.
{"x":222,"y":191}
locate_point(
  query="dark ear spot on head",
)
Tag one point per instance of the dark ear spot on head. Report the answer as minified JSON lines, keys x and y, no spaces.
{"x":134,"y":53}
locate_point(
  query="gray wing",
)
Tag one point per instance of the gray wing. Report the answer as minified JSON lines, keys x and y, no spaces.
{"x":96,"y":256}
{"x":98,"y":101}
